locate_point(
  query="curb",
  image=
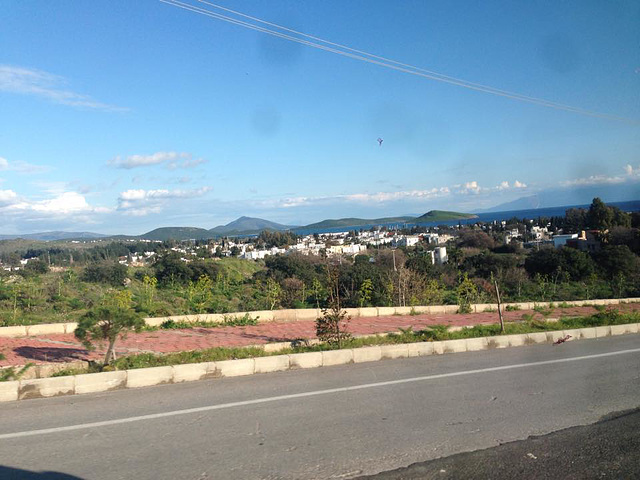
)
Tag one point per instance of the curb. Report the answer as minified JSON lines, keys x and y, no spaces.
{"x":144,"y":377}
{"x":286,"y":316}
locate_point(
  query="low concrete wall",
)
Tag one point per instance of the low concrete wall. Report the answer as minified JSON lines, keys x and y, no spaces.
{"x":101,"y":382}
{"x":266,"y":316}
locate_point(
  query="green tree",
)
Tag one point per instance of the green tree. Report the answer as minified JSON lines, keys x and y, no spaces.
{"x":600,"y":216}
{"x":467,"y":294}
{"x":274,"y":293}
{"x":364,"y":292}
{"x":200,"y":294}
{"x":107,"y":322}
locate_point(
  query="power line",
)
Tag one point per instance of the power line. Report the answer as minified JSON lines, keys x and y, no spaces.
{"x":381,"y":61}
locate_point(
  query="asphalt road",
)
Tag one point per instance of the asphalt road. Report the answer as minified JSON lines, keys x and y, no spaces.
{"x":335,"y":422}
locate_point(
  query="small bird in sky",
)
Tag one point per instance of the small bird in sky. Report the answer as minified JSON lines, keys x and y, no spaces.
{"x":380,"y":141}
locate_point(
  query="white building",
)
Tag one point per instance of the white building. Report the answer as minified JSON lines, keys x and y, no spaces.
{"x":439,"y":256}
{"x":561,"y":240}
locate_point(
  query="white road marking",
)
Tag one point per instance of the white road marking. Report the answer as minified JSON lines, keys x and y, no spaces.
{"x":314,"y":393}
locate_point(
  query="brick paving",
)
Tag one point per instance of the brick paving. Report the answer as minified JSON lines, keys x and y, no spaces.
{"x":55,"y":348}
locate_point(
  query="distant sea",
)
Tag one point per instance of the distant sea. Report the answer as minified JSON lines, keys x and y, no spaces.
{"x":530,"y":214}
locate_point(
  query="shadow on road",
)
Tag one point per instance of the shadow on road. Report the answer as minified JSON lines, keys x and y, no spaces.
{"x":19,"y":474}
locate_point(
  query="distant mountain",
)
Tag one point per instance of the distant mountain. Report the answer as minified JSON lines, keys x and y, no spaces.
{"x":443,"y":216}
{"x":51,"y":236}
{"x":432,"y":216}
{"x":355,"y":222}
{"x":246,"y":226}
{"x":177,"y":233}
{"x":558,"y":197}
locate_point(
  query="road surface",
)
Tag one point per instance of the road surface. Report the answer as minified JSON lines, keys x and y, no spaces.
{"x":334,"y":422}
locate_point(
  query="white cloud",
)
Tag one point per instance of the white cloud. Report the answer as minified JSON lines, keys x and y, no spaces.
{"x":172,"y":160}
{"x":66,"y":204}
{"x":27,"y":81}
{"x":140,"y":202}
{"x":503,"y":186}
{"x":632,"y":174}
{"x":7,"y":196}
{"x":378,"y":197}
{"x":21,"y":167}
{"x":518,"y":184}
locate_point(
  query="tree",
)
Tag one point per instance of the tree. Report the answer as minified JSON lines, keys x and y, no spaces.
{"x":107,"y":322}
{"x":331,"y":327}
{"x":600,"y":216}
{"x":467,"y":293}
{"x":364,"y":292}
{"x":274,"y":292}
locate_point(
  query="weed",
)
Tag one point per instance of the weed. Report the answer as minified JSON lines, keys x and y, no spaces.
{"x":512,"y":308}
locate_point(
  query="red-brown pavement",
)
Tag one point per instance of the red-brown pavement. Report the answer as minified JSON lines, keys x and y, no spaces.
{"x":57,"y":348}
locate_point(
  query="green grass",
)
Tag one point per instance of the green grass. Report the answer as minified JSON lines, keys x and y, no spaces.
{"x":228,"y":321}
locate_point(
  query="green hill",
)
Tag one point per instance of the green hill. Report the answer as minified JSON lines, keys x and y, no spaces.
{"x":443,"y":216}
{"x":176,"y":233}
{"x":247,"y":225}
{"x":357,"y":222}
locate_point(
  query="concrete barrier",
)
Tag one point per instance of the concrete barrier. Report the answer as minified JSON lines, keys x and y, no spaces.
{"x":420,"y":349}
{"x":189,"y":372}
{"x":454,"y":346}
{"x":603,"y":332}
{"x":392,"y":352}
{"x":586,"y":333}
{"x":145,"y":377}
{"x":284,"y":315}
{"x":624,"y":329}
{"x":276,"y":363}
{"x":517,"y":340}
{"x":45,"y":329}
{"x":367,"y":354}
{"x":352,"y":312}
{"x":402,"y":310}
{"x":437,"y":310}
{"x":12,"y":332}
{"x":451,"y":309}
{"x":9,"y":391}
{"x":336,"y":357}
{"x":308,"y":314}
{"x":555,"y":336}
{"x":438,"y":348}
{"x":263,"y":316}
{"x":100,"y":382}
{"x":367,"y":312}
{"x":385,"y":311}
{"x":537,"y":337}
{"x":235,"y":368}
{"x":305,"y":360}
{"x":46,"y":387}
{"x":475,"y":344}
{"x":70,"y":327}
{"x":498,"y":342}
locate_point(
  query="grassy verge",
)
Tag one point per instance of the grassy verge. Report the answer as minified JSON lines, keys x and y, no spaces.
{"x":434,"y":333}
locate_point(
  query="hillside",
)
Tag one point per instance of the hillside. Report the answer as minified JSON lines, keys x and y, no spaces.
{"x":357,"y":222}
{"x":247,"y":225}
{"x":443,"y":216}
{"x":48,"y":236}
{"x":176,"y":233}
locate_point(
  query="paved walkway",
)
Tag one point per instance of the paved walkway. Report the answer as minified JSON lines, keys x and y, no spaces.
{"x":56,"y":348}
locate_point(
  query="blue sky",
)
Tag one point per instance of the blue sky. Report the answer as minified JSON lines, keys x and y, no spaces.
{"x":121,"y":116}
